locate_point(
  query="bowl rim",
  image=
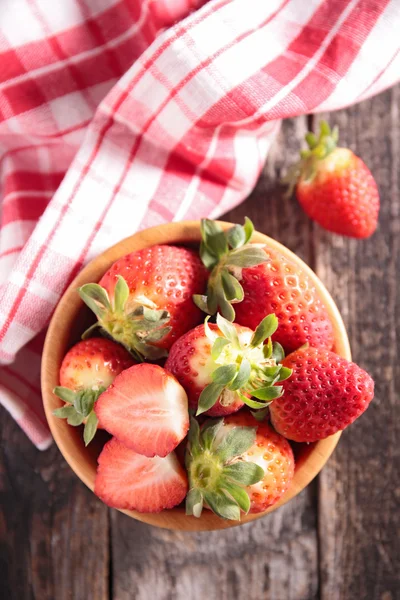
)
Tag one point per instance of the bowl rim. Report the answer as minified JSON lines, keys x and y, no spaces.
{"x":183,"y":232}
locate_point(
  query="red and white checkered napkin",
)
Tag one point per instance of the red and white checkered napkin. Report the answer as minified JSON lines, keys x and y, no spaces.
{"x":149,"y":123}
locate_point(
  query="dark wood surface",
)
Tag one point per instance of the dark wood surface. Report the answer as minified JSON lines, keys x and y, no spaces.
{"x":337,"y":540}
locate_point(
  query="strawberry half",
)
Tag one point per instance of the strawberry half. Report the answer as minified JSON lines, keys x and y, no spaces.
{"x":224,"y":365}
{"x":335,"y":187}
{"x":236,"y":464}
{"x":146,"y":409}
{"x":325,"y":394}
{"x":259,"y":281}
{"x":144,"y":301}
{"x":87,"y":370}
{"x":131,"y":481}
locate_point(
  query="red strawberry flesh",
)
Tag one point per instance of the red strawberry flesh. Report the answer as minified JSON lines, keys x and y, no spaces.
{"x":146,"y":409}
{"x":131,"y":481}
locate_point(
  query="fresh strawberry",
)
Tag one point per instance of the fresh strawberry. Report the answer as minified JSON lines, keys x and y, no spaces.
{"x":279,"y":286}
{"x":236,"y":464}
{"x":87,"y":370}
{"x":146,"y":409}
{"x":131,"y":481}
{"x":325,"y":394}
{"x":258,"y":281}
{"x":144,"y":301}
{"x":221,"y":366}
{"x":335,"y":187}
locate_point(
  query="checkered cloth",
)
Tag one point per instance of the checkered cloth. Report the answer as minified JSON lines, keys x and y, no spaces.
{"x":116,"y":115}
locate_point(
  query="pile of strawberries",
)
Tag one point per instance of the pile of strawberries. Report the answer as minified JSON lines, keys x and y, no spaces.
{"x":229,"y":366}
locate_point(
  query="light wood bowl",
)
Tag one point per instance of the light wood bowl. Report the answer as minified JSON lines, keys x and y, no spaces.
{"x":70,"y":319}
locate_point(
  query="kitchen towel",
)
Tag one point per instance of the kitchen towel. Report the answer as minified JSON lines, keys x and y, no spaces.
{"x":116,"y":115}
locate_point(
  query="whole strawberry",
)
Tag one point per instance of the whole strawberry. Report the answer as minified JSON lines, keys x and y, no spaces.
{"x":88,"y":369}
{"x":144,"y":301}
{"x":236,"y":464}
{"x":325,"y":394}
{"x":257,"y":281}
{"x":336,"y":188}
{"x":223,"y":366}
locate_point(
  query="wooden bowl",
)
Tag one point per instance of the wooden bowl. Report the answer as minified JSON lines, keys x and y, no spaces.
{"x":70,"y":319}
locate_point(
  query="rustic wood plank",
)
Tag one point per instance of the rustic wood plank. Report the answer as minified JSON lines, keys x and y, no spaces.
{"x":359,"y":516}
{"x":273,"y":558}
{"x":53,"y":531}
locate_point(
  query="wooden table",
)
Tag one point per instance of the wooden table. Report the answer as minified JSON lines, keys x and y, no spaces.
{"x":339,"y":539}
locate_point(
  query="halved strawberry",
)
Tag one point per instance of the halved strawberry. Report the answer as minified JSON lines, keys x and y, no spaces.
{"x":87,"y":370}
{"x":146,"y":409}
{"x":132,"y":481}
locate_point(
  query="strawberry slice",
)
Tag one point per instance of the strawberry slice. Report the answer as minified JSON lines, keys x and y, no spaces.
{"x":132,"y":481}
{"x":146,"y":409}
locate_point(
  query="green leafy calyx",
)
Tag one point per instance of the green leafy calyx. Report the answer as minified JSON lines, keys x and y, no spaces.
{"x":78,"y":409}
{"x":244,"y":368}
{"x":319,"y":147}
{"x":225,"y":254}
{"x":137,"y":326}
{"x":218,"y":473}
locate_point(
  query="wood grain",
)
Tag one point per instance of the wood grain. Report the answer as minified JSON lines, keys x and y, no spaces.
{"x":359,"y":499}
{"x":53,"y":532}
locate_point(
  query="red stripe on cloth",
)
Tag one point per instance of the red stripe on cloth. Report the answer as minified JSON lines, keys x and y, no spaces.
{"x":34,"y":388}
{"x":115,"y":21}
{"x":338,"y":57}
{"x":24,"y":208}
{"x":11,"y":251}
{"x":21,"y":181}
{"x":314,"y":88}
{"x":276,"y":74}
{"x":100,"y":40}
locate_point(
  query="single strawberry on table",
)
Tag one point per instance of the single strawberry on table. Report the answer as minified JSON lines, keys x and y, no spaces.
{"x":131,"y":481}
{"x":250,"y":281}
{"x":144,"y":301}
{"x":235,"y":465}
{"x":324,"y":394}
{"x":223,"y":366}
{"x":86,"y":371}
{"x":335,"y":187}
{"x":146,"y":409}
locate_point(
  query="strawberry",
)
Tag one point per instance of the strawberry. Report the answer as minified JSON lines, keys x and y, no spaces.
{"x":131,"y":481}
{"x":87,"y":370}
{"x":144,"y":301}
{"x":279,"y":286}
{"x":335,"y":187}
{"x":258,"y":281}
{"x":222,"y":365}
{"x":146,"y":409}
{"x":325,"y":394}
{"x":236,"y":464}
